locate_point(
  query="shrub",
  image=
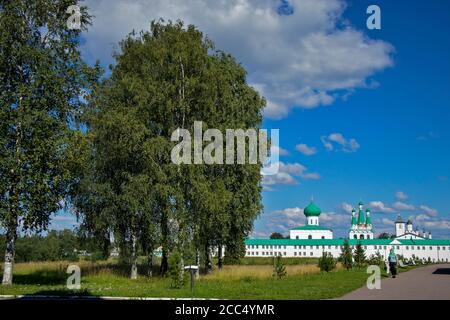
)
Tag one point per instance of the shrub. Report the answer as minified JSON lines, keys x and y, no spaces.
{"x":327,"y":262}
{"x":96,"y":256}
{"x":346,"y":256}
{"x":176,"y":272}
{"x":279,"y":270}
{"x":359,"y":255}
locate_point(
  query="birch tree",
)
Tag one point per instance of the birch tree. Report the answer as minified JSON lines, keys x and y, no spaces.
{"x":42,"y":79}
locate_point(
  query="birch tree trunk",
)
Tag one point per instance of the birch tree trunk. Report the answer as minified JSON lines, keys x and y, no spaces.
{"x":164,"y":263}
{"x":220,"y":258}
{"x":14,"y":200}
{"x":9,"y":257}
{"x":208,"y":266}
{"x":197,"y":262}
{"x":150,"y":264}
{"x":133,"y":257}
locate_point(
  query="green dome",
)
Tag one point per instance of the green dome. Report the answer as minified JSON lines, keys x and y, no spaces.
{"x":312,"y":210}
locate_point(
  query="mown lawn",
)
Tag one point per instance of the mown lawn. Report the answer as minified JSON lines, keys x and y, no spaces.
{"x":233,"y":282}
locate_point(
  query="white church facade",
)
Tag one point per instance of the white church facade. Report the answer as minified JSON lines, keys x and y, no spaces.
{"x":311,"y":240}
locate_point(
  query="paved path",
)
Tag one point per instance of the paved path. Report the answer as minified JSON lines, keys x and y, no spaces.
{"x":427,"y":283}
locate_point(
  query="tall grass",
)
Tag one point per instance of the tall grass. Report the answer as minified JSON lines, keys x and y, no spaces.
{"x":240,"y":272}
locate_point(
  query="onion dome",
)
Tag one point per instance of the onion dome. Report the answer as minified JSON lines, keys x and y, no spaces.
{"x":312,"y":210}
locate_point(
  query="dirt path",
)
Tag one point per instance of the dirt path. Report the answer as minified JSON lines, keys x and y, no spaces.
{"x":428,"y":283}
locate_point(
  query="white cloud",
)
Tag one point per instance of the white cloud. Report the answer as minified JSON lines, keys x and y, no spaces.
{"x":346,"y":207}
{"x":387,"y":222}
{"x":400,"y":195}
{"x":422,"y":217}
{"x":429,"y":211}
{"x":278,"y":178}
{"x":289,"y":212}
{"x":280,"y":150}
{"x":328,"y":145}
{"x":307,"y":151}
{"x":379,"y":206}
{"x":334,"y":219}
{"x":287,"y":173}
{"x":283,"y":220}
{"x":347,"y":145}
{"x":437,"y":224}
{"x":299,"y":60}
{"x":399,"y":205}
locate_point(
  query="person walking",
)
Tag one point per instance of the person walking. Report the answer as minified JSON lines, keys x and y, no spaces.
{"x":392,"y":259}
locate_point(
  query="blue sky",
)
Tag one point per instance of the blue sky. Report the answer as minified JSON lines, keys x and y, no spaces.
{"x":363,"y":114}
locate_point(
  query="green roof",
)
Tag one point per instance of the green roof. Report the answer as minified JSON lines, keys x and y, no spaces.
{"x":361,"y":218}
{"x":312,"y":210}
{"x":310,"y":227}
{"x":337,"y":242}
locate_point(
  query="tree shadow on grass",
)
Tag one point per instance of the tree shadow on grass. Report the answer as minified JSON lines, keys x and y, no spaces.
{"x":58,"y":276}
{"x":42,"y":277}
{"x":59,"y":294}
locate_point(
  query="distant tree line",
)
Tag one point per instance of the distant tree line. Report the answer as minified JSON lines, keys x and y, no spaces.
{"x":53,"y":246}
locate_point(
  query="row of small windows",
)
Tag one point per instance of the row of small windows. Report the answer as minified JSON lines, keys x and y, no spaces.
{"x":361,"y":236}
{"x":377,"y":247}
{"x":310,"y":237}
{"x":271,"y":254}
{"x":266,"y":253}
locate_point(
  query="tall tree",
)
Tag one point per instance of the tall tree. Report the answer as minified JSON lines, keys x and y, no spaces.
{"x":359,"y":255}
{"x":163,"y":80}
{"x":346,"y":255}
{"x":42,"y":78}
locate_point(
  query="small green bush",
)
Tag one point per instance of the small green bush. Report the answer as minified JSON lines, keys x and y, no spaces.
{"x":279,"y":270}
{"x":327,"y":263}
{"x":96,"y":256}
{"x":176,"y":272}
{"x":359,"y":255}
{"x":346,"y":257}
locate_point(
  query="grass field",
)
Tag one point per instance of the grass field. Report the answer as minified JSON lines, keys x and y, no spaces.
{"x":244,"y":281}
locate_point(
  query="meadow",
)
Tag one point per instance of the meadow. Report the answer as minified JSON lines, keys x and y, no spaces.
{"x":251,"y":279}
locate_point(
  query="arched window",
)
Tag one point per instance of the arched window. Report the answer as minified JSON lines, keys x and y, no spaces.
{"x":355,"y":237}
{"x":296,"y":237}
{"x":310,"y":237}
{"x":368,"y":237}
{"x":361,"y":236}
{"x":323,"y":237}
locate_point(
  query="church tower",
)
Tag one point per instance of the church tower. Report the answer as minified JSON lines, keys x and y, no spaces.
{"x":361,"y":227}
{"x":400,"y":226}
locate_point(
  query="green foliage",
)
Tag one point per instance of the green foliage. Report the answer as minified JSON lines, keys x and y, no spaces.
{"x":42,"y":84}
{"x":327,"y":263}
{"x":176,"y":271}
{"x":359,"y":255}
{"x":385,"y":235}
{"x":294,"y":286}
{"x":346,"y":257}
{"x":279,"y":270}
{"x":128,"y":184}
{"x":96,"y":256}
{"x":377,"y":260}
{"x":55,"y":246}
{"x":276,"y":235}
